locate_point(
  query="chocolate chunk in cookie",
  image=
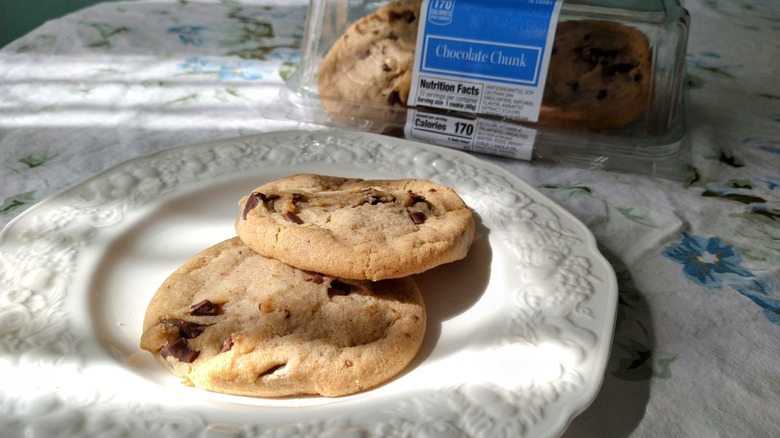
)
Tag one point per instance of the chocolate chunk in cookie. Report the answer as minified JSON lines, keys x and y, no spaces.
{"x":232,"y":321}
{"x":357,"y":229}
{"x":598,"y":76}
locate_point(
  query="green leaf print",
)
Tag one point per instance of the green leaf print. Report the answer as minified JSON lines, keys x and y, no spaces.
{"x":695,"y":82}
{"x":730,"y":160}
{"x":256,"y":53}
{"x":768,"y":213}
{"x":188,"y":98}
{"x":567,"y":187}
{"x":638,"y":365}
{"x":740,"y":184}
{"x":38,"y":42}
{"x":16,"y":202}
{"x":663,"y":368}
{"x":256,"y":38}
{"x":718,"y":71}
{"x":252,"y":28}
{"x":149,"y":83}
{"x":81,"y":90}
{"x":109,"y":71}
{"x":570,"y":189}
{"x":642,"y":364}
{"x":106,"y":33}
{"x":637,"y":214}
{"x":287,"y":69}
{"x":228,"y":94}
{"x":745,"y":229}
{"x":737,"y":197}
{"x":632,"y":212}
{"x":633,"y":357}
{"x":38,"y":158}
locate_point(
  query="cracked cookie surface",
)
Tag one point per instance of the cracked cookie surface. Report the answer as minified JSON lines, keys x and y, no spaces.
{"x":232,"y":321}
{"x":355,"y":228}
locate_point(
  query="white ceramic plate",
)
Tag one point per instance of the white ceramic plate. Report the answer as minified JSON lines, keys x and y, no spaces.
{"x":519,"y":331}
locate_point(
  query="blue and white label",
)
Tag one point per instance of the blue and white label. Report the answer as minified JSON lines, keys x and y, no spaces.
{"x":484,"y":56}
{"x":477,"y":59}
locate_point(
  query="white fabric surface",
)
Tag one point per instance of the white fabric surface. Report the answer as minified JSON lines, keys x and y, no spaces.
{"x":695,"y":352}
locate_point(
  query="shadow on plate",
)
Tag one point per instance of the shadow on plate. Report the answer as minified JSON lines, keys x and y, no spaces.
{"x":451,"y":289}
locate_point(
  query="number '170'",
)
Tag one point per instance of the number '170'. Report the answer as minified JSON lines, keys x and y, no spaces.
{"x":464,"y":128}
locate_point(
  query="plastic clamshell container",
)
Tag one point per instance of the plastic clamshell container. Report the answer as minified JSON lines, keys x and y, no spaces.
{"x":654,"y":143}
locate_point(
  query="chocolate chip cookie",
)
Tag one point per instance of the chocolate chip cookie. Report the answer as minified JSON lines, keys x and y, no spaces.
{"x":367,"y":73}
{"x":354,"y":228}
{"x":599,"y":76}
{"x":232,"y":321}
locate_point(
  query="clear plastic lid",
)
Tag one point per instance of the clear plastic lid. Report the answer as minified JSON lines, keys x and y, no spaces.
{"x":614,"y":90}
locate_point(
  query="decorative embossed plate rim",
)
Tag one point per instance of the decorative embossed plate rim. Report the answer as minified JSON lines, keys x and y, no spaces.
{"x":519,"y":350}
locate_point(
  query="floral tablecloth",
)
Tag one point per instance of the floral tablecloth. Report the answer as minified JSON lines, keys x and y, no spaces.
{"x":695,"y":350}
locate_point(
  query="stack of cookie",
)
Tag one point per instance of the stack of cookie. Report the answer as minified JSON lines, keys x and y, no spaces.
{"x":314,"y":295}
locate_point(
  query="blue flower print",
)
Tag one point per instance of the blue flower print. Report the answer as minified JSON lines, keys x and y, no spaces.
{"x":188,"y":35}
{"x":770,"y":184}
{"x":240,"y":70}
{"x":712,"y":263}
{"x":285,"y":54}
{"x":764,"y":145}
{"x":706,"y":261}
{"x":247,"y":70}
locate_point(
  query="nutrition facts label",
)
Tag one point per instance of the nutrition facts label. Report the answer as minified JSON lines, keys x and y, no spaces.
{"x":473,"y":134}
{"x":484,"y":56}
